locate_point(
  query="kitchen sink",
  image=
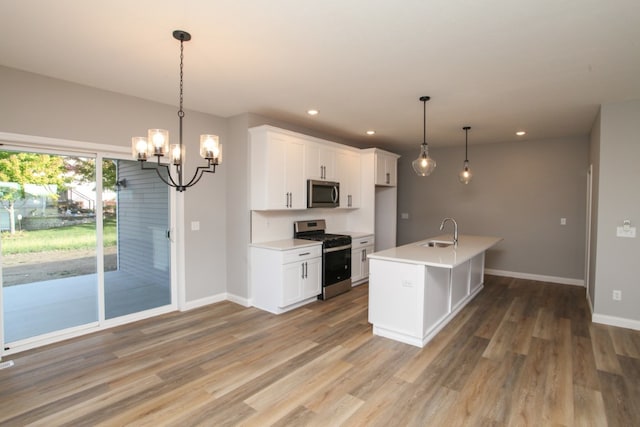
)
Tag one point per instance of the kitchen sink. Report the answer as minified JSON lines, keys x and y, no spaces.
{"x":437,"y":244}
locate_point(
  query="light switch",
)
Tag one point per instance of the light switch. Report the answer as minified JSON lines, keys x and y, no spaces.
{"x":404,"y":215}
{"x":626,"y":232}
{"x":563,"y":221}
{"x":195,"y":225}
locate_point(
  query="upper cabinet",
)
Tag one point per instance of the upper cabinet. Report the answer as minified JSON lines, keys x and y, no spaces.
{"x":320,"y":162}
{"x":386,"y":168}
{"x":348,"y":169}
{"x":277,"y":171}
{"x":282,"y":161}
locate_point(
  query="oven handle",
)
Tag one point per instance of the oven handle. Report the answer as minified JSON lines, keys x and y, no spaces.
{"x":339,"y":248}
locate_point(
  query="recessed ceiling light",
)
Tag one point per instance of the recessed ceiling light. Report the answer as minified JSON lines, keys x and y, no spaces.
{"x":520,"y":133}
{"x":312,"y":112}
{"x":371,"y":132}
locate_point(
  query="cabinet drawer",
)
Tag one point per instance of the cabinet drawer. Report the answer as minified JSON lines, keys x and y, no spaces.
{"x":302,"y":254}
{"x":362,"y":242}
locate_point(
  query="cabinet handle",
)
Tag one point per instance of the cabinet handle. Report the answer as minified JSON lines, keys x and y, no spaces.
{"x":306,"y":270}
{"x":349,"y":200}
{"x":388,"y":178}
{"x":303,"y":254}
{"x":302,"y":272}
{"x":366,"y":241}
{"x":364,"y":255}
{"x":290,"y":200}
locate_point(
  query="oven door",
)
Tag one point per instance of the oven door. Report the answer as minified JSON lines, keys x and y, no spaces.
{"x":336,"y":265}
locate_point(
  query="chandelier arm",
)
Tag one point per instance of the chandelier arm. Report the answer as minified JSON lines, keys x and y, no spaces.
{"x":170,"y":183}
{"x":200,"y":170}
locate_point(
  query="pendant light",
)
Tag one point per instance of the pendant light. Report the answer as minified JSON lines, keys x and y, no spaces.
{"x":157,"y":143}
{"x":466,"y":175}
{"x":424,"y":164}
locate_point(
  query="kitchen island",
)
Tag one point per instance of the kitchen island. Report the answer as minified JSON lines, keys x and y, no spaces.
{"x":416,"y":289}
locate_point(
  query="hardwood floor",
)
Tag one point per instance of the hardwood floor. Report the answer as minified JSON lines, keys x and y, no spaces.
{"x":521,"y":353}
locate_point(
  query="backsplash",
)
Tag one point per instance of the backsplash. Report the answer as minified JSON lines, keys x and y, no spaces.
{"x":277,"y":225}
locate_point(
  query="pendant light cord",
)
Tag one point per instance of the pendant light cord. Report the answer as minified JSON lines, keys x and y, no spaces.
{"x":424,"y":122}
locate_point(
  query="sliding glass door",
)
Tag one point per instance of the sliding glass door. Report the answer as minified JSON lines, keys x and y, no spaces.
{"x":48,"y":223}
{"x":136,"y":244}
{"x":76,"y":252}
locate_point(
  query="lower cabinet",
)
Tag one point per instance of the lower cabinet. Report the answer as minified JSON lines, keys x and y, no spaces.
{"x":301,"y":280}
{"x":360,"y":248}
{"x":282,"y":280}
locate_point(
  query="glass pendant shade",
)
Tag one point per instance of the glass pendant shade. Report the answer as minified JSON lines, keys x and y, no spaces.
{"x":158,"y":142}
{"x":424,"y":165}
{"x":465,"y":175}
{"x":210,"y":148}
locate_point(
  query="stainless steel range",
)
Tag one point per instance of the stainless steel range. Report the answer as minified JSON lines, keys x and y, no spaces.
{"x":336,"y":256}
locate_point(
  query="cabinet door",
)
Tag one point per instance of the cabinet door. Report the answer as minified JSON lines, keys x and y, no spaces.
{"x":294,"y":174}
{"x":348,"y":171}
{"x":312,"y":282}
{"x":276,"y":191}
{"x":365,"y":262}
{"x":291,"y":283}
{"x":356,"y":265}
{"x":386,"y":170}
{"x":320,"y":162}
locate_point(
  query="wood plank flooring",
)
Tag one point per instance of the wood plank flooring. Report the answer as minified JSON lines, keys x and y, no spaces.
{"x":522,"y":353}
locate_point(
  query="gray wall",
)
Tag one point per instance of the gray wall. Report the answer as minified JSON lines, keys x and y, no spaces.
{"x":519,"y":192}
{"x":35,"y":105}
{"x":617,"y":265}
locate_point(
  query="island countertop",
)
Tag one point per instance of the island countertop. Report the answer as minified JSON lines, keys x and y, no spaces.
{"x":448,"y":257}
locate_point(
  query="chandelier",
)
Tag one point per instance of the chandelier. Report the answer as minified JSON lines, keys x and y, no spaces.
{"x":157,"y":144}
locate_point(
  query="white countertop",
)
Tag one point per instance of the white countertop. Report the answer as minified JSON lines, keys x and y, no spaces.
{"x":354,"y":234}
{"x":285,"y":244}
{"x":449,"y":257}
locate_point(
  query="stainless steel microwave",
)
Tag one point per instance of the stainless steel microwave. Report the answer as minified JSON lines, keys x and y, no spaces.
{"x":323,"y":194}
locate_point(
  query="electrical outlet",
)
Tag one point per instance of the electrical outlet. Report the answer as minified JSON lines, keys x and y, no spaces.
{"x":617,"y":295}
{"x":563,"y":221}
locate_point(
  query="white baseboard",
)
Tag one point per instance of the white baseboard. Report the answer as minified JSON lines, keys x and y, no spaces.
{"x":537,"y":277}
{"x":190,"y":305}
{"x":616,"y":321}
{"x":239,"y":300}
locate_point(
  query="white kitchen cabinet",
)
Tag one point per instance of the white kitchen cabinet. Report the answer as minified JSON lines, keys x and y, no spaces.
{"x":386,"y":168}
{"x":348,"y":171}
{"x":320,"y":160}
{"x":282,"y":280}
{"x":360,"y":248}
{"x":277,"y":170}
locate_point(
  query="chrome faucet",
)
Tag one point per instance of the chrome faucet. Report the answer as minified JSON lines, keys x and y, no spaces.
{"x":455,"y":230}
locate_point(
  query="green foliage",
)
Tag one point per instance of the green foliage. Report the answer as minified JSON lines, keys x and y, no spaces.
{"x":84,"y":170}
{"x":30,"y":168}
{"x":82,"y":236}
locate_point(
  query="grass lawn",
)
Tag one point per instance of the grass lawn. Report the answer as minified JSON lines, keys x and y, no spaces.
{"x":73,"y":237}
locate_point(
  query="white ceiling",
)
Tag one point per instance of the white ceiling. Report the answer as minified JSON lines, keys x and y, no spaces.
{"x":543,"y":66}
